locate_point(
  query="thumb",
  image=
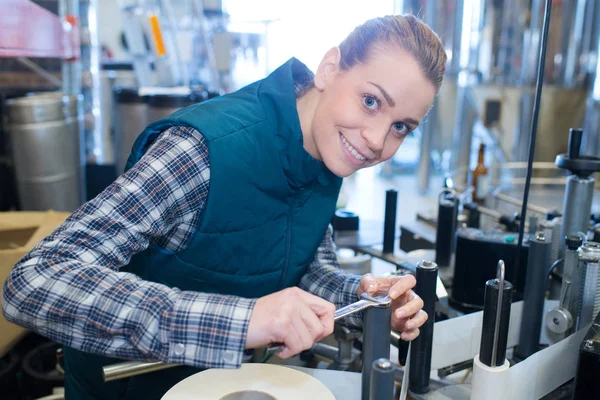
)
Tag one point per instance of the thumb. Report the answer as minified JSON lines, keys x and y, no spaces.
{"x":369,"y":284}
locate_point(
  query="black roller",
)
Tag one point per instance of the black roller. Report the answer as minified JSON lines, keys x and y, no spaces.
{"x":389,"y":225}
{"x":490,"y":309}
{"x":446,"y":228}
{"x":535,"y":293}
{"x":377,"y":323}
{"x":382,"y":380}
{"x":420,"y":351}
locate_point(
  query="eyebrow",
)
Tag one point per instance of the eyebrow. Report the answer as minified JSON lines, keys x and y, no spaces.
{"x":391,"y":102}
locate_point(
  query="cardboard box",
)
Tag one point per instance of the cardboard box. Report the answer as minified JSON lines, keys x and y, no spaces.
{"x":19,"y":233}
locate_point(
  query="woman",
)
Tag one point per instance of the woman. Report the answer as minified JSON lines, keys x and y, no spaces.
{"x":216,"y":237}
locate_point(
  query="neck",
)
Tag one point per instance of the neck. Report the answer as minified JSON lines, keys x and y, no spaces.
{"x":306,"y":106}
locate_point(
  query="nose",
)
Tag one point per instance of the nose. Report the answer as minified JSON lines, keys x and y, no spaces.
{"x":375,"y":138}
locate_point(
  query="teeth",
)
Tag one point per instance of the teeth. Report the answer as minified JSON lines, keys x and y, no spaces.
{"x":351,"y":149}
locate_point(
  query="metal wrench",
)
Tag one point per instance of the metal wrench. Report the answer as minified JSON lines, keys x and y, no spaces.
{"x":366,"y":301}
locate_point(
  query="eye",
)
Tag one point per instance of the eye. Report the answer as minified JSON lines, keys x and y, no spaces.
{"x":370,"y":102}
{"x":400,"y":127}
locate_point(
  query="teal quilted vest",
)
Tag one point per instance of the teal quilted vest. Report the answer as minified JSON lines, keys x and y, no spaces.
{"x":268,"y":206}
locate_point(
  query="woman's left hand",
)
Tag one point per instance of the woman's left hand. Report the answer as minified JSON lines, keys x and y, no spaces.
{"x":407,"y":313}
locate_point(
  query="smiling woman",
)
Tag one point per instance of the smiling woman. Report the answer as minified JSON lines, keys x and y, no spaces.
{"x":370,"y":92}
{"x":216,"y":238}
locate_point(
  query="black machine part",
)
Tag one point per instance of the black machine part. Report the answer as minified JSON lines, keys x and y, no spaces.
{"x":535,"y":293}
{"x":446,"y":227}
{"x":477,"y":254}
{"x":490,"y":340}
{"x":377,"y":322}
{"x":382,"y":380}
{"x":420,"y":351}
{"x":587,"y":384}
{"x":389,"y":225}
{"x":582,"y":166}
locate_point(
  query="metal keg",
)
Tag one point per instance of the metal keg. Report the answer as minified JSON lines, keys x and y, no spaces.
{"x":46,"y":148}
{"x":131,"y":116}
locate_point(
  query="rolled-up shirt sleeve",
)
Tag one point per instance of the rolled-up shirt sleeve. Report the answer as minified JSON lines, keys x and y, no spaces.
{"x":70,"y":288}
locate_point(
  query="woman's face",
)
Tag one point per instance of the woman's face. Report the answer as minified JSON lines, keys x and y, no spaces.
{"x":364,"y":114}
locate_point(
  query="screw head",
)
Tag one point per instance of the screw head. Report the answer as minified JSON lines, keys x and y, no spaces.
{"x":589,"y":344}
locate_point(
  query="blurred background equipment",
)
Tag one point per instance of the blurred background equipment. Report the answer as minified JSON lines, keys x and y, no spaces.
{"x":81,"y":79}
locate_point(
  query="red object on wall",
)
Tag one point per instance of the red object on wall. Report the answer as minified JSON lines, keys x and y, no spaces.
{"x":28,"y":30}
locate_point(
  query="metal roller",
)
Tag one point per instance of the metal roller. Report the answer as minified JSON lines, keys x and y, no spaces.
{"x":535,"y":292}
{"x":382,"y":380}
{"x":420,"y":352}
{"x":496,"y":316}
{"x":446,"y":227}
{"x":377,"y":323}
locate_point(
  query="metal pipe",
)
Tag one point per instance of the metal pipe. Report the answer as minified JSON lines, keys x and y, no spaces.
{"x":579,"y":194}
{"x":376,"y":321}
{"x":39,"y":70}
{"x":132,"y":368}
{"x":382,"y":380}
{"x":517,"y":202}
{"x":535,"y":291}
{"x":420,"y":352}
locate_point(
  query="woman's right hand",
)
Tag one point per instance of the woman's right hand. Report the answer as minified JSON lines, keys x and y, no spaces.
{"x":291,"y":316}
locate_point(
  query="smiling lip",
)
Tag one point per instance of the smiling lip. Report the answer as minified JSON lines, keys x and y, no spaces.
{"x":352,"y":153}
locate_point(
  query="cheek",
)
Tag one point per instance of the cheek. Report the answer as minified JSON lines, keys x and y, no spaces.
{"x":391,"y":147}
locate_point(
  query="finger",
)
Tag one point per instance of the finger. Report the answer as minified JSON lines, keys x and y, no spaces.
{"x":410,"y":335}
{"x":410,"y":308}
{"x":312,"y":323}
{"x":319,"y":306}
{"x":404,"y":284}
{"x":304,"y":334}
{"x":369,"y":284}
{"x":292,"y":342}
{"x":416,"y":322}
{"x":386,"y":283}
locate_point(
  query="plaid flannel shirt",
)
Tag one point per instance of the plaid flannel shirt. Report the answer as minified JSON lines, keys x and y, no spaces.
{"x":69,"y":287}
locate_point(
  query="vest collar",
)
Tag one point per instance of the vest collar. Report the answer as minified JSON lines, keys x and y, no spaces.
{"x":278,"y":96}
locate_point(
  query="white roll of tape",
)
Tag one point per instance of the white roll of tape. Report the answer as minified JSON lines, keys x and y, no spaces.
{"x":251,"y":381}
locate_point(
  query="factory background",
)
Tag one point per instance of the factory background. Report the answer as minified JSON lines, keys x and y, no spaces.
{"x":80,"y":79}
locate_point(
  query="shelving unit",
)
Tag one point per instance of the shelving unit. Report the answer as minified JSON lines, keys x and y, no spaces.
{"x":28,"y":30}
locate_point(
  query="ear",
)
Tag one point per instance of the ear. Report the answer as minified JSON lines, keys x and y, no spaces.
{"x":329,"y":66}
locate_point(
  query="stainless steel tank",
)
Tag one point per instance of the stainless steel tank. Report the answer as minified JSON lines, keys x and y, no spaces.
{"x":131,"y":115}
{"x":44,"y":135}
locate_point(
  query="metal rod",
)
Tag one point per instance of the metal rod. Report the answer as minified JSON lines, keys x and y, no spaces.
{"x":536,"y":111}
{"x":132,"y":368}
{"x":376,"y":321}
{"x":500,"y":277}
{"x":517,"y":202}
{"x":40,"y":71}
{"x":382,"y":380}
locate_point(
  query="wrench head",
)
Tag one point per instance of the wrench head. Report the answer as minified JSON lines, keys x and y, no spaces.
{"x":379,"y":301}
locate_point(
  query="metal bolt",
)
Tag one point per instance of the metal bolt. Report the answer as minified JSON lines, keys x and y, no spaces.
{"x":556,"y":321}
{"x":384,"y":364}
{"x":589,"y":344}
{"x":540,"y":236}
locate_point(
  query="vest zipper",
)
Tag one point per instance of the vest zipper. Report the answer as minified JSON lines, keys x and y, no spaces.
{"x":297,"y":200}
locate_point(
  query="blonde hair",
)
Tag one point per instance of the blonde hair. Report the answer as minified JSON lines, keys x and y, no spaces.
{"x":405,"y":31}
